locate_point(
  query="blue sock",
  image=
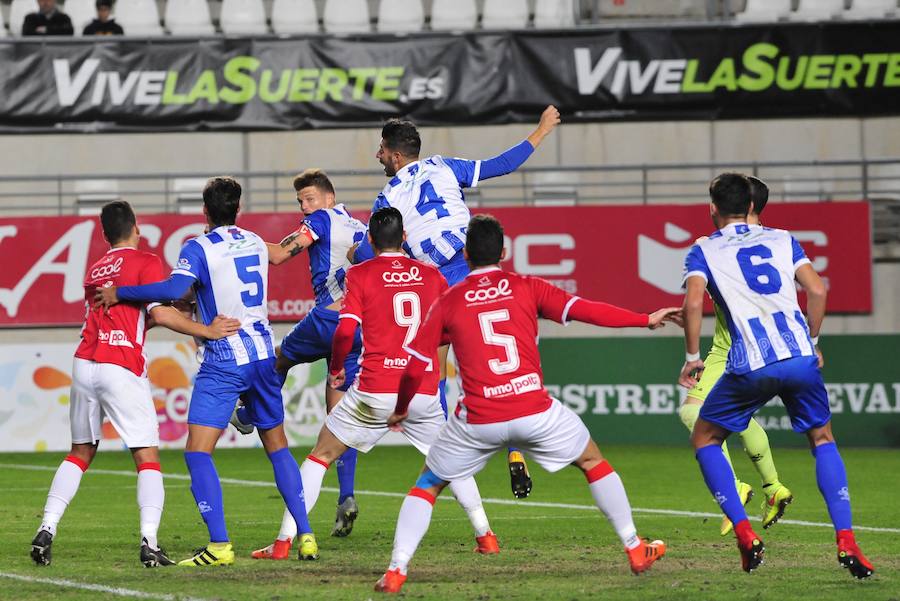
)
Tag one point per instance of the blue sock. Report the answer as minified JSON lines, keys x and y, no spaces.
{"x":346,"y":473}
{"x":442,"y":390}
{"x":720,"y":481}
{"x":207,"y":492}
{"x":832,"y":480}
{"x":511,"y":449}
{"x":287,"y":479}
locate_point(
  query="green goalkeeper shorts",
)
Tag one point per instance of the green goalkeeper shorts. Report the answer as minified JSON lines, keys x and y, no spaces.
{"x":714,"y":367}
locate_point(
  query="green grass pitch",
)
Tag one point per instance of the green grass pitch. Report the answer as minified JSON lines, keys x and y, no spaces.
{"x":548,"y":552}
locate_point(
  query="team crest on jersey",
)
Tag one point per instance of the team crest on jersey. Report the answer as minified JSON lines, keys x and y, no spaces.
{"x":396,"y":264}
{"x":484,"y":281}
{"x":183,"y":263}
{"x":403,"y":277}
{"x":489,"y":294}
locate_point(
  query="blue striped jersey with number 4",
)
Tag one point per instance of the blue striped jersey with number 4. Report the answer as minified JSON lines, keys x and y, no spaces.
{"x":231,"y":269}
{"x":429,"y":194}
{"x":749,"y":272}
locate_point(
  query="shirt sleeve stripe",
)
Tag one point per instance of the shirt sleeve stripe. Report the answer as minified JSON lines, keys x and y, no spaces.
{"x":418,"y":356}
{"x":476,"y":174}
{"x":565,"y":313}
{"x":801,"y":263}
{"x":351,"y":316}
{"x":184,"y":272}
{"x":692,"y":273}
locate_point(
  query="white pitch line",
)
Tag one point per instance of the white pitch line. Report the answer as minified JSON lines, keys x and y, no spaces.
{"x":100,"y":588}
{"x":381,"y":493}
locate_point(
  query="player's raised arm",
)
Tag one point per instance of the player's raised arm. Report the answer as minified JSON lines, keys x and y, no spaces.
{"x":292,"y":245}
{"x":420,"y":350}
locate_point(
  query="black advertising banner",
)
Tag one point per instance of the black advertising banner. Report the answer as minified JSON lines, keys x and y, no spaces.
{"x":840,"y":69}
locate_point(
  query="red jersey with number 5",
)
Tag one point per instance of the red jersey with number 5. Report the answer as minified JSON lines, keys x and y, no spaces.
{"x":490,"y":318}
{"x":389,"y":295}
{"x":117,"y":336}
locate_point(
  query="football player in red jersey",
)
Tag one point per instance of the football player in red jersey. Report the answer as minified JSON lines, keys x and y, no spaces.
{"x":490,"y":318}
{"x":109,"y":377}
{"x":386,"y":296}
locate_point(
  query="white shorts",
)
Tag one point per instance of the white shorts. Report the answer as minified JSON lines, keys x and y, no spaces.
{"x":100,"y":389}
{"x":554,"y":438}
{"x":359,"y":420}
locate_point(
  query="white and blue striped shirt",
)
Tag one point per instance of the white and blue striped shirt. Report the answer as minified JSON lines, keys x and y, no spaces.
{"x":749,"y":271}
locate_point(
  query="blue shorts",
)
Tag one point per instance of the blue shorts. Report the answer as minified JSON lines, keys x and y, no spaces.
{"x":735,"y":398}
{"x":218,"y":386}
{"x":310,"y":340}
{"x":456,"y":270}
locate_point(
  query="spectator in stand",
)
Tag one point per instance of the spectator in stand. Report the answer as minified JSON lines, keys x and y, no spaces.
{"x":105,"y":23}
{"x":49,"y":20}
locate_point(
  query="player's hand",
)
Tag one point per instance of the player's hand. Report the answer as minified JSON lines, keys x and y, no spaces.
{"x":105,"y":297}
{"x":673,"y":314}
{"x":337,"y":380}
{"x":549,"y":119}
{"x":690,"y":373}
{"x":820,"y":357}
{"x":223,"y":327}
{"x":395,"y":421}
{"x":352,"y":252}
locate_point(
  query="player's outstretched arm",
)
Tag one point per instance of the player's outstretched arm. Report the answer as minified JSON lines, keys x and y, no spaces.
{"x":549,"y":120}
{"x":409,"y":384}
{"x":292,"y":245}
{"x":168,"y":290}
{"x":693,"y":318}
{"x":816,"y":295}
{"x":175,"y":320}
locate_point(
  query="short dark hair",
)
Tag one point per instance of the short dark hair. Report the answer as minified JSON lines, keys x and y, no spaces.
{"x":731,"y":192}
{"x":106,"y":3}
{"x":313,"y":177}
{"x":402,"y":136}
{"x":222,"y":198}
{"x":484,"y":240}
{"x":759,"y":194}
{"x":117,"y":218}
{"x":386,"y":228}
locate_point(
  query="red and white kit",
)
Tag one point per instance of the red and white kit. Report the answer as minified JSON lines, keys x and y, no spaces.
{"x":491,"y":320}
{"x":109,"y":371}
{"x":388,"y":296}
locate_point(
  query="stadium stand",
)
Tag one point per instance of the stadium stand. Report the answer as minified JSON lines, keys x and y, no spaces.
{"x":294,"y":16}
{"x":139,"y":17}
{"x":654,"y":9}
{"x":17,"y":11}
{"x":346,"y":16}
{"x":871,"y":9}
{"x":188,"y":18}
{"x":3,"y":32}
{"x":550,"y":14}
{"x":818,"y":10}
{"x":399,"y":16}
{"x":504,"y":14}
{"x":764,"y":11}
{"x":453,"y":15}
{"x":243,"y":17}
{"x":82,"y":12}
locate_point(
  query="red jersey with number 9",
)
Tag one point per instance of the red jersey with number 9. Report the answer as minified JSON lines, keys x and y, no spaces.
{"x":389,"y":295}
{"x":117,"y":336}
{"x":490,"y":318}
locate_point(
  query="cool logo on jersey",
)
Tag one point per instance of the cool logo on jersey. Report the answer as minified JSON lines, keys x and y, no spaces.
{"x":527,"y":383}
{"x":486,"y":294}
{"x":107,"y":270}
{"x":402,"y":277}
{"x":115,"y":338}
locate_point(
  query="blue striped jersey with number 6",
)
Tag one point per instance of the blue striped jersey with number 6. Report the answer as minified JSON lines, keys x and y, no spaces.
{"x":749,"y":272}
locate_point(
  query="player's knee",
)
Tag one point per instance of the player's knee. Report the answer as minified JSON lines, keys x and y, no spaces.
{"x":820,"y":436}
{"x":84,"y":452}
{"x":688,"y":413}
{"x":706,"y":433}
{"x":431,"y":482}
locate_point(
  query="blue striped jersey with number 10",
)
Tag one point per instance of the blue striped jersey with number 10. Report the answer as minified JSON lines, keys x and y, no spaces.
{"x":429,"y":194}
{"x":749,"y":271}
{"x":231,"y":266}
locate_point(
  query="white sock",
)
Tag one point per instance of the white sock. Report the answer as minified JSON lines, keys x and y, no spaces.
{"x":466,"y":492}
{"x":412,"y":524}
{"x":609,"y":495}
{"x":62,"y":490}
{"x":151,"y":496}
{"x":311,"y":473}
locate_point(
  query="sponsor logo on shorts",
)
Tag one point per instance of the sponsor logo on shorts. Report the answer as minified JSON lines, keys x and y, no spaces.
{"x":522,"y":384}
{"x":105,"y":271}
{"x":115,"y":338}
{"x":487,"y":294}
{"x":403,"y":277}
{"x":396,"y":362}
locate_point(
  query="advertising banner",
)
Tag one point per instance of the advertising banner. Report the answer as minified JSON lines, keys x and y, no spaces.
{"x":631,"y":256}
{"x":623,"y":388}
{"x":707,"y":72}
